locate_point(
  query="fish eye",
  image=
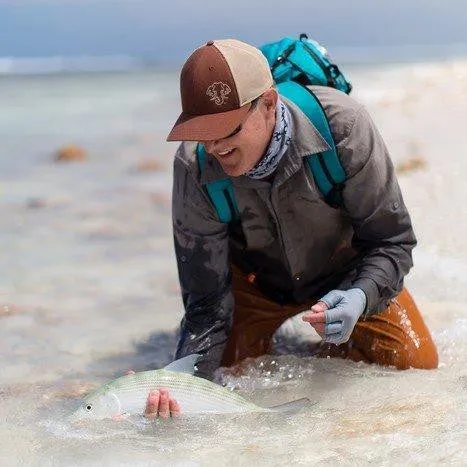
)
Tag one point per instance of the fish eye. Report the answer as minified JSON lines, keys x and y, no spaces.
{"x":88,"y":407}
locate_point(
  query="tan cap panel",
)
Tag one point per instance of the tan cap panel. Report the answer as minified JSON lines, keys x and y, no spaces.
{"x":249,"y":68}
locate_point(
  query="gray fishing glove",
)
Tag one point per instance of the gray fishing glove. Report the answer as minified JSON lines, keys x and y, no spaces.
{"x":344,"y":309}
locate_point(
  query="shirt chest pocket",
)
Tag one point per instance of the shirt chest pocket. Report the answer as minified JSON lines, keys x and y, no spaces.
{"x":258,"y":224}
{"x":308,"y":210}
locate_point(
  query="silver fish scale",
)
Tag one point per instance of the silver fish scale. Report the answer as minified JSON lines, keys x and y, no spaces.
{"x":194,"y":395}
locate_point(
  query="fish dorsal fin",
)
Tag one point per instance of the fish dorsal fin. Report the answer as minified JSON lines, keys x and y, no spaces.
{"x":184,"y":365}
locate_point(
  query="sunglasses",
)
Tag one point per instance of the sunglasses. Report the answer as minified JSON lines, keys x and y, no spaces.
{"x":237,"y":130}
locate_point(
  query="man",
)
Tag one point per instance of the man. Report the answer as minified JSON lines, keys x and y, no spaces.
{"x":290,"y":250}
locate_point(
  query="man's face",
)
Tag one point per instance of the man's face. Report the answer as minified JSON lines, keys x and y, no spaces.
{"x":239,"y":152}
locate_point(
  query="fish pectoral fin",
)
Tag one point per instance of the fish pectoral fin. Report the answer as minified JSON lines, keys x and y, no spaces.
{"x":292,"y":406}
{"x":117,"y":401}
{"x":184,"y":364}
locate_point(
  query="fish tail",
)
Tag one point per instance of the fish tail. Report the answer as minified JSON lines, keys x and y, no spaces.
{"x":292,"y":406}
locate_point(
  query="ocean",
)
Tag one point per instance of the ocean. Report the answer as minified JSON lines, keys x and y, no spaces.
{"x":88,"y":281}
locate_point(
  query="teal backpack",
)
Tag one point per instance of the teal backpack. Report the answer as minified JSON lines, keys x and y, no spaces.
{"x":294,"y":65}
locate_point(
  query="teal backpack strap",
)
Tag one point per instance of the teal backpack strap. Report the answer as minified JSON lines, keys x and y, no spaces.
{"x":325,"y":166}
{"x":221,"y":192}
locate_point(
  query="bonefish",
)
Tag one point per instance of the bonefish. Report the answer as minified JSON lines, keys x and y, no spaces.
{"x":128,"y":394}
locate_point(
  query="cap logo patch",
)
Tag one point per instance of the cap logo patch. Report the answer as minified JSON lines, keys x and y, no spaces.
{"x":218,"y":92}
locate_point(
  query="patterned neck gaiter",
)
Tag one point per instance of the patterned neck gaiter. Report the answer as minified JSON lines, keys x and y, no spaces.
{"x":279,"y":143}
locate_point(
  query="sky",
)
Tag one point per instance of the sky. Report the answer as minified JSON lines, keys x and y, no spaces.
{"x":167,"y":31}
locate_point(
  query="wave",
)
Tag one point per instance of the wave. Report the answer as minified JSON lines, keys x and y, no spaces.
{"x":341,"y":54}
{"x":63,"y":64}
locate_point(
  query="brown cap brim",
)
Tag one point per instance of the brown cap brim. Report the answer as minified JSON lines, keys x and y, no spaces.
{"x":207,"y":127}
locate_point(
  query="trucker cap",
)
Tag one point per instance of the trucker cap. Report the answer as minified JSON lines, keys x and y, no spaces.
{"x":218,"y":82}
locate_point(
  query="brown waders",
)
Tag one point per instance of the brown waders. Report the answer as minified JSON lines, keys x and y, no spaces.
{"x":398,"y":336}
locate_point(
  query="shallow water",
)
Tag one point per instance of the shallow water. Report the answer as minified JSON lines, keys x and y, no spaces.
{"x":88,"y":285}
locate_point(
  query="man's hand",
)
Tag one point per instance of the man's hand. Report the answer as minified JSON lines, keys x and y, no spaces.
{"x":335,"y":315}
{"x":160,"y":404}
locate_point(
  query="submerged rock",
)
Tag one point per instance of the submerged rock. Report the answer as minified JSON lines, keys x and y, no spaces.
{"x":411,"y":165}
{"x":35,"y":203}
{"x":161,"y":200}
{"x":149,"y":165}
{"x":7,"y":309}
{"x":70,"y":153}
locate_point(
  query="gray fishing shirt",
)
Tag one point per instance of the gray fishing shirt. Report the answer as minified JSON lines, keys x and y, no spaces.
{"x":299,"y":246}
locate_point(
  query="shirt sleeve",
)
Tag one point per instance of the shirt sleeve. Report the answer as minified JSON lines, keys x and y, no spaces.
{"x":383,"y":233}
{"x":202,"y":253}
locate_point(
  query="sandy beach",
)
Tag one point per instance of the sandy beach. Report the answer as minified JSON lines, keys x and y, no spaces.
{"x":89,"y":288}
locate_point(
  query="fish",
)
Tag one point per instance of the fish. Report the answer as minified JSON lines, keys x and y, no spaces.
{"x":128,"y":394}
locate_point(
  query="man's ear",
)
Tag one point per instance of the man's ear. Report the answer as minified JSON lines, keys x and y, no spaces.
{"x":269,"y":100}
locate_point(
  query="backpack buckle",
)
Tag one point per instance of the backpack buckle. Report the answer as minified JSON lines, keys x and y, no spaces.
{"x":283,"y":56}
